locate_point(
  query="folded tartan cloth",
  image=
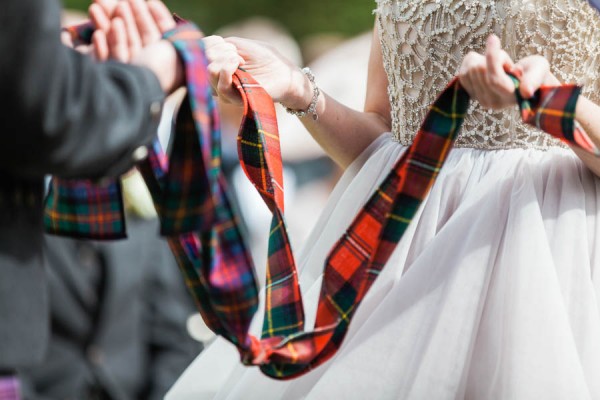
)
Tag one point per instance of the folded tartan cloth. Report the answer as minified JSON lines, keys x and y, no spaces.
{"x":190,"y":196}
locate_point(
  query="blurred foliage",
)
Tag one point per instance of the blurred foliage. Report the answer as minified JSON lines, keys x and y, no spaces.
{"x":301,"y":17}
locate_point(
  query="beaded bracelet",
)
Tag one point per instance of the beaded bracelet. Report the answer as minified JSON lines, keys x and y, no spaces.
{"x":312,"y":107}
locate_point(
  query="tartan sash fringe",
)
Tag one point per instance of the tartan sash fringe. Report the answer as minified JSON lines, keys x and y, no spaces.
{"x":202,"y":229}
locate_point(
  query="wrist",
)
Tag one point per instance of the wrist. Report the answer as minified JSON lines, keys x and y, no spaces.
{"x":300,"y":92}
{"x":162,"y":59}
{"x":309,"y":87}
{"x":550,"y":80}
{"x":171,"y":68}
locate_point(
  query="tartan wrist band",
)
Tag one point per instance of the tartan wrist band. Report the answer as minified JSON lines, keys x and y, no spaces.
{"x":197,"y":219}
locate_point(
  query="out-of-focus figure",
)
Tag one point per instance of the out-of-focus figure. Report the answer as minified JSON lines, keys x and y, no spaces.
{"x":64,"y":114}
{"x":118,"y":319}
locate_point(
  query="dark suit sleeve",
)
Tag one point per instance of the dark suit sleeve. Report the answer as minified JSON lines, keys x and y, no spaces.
{"x":63,"y":113}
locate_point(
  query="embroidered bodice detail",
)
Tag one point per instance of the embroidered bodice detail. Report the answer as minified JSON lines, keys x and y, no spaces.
{"x":424,"y":41}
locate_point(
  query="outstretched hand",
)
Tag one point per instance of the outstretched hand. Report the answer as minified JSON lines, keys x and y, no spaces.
{"x":124,"y":28}
{"x":484,"y":76}
{"x":130,"y":31}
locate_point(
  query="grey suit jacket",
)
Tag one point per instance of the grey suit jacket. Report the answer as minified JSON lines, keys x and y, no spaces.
{"x":63,"y":114}
{"x":119,"y":312}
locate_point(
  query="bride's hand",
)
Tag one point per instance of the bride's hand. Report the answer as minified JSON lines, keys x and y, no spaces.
{"x":534,"y":72}
{"x":484,"y":76}
{"x":283,"y":80}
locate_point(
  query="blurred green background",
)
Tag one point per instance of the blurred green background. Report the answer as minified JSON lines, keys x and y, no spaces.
{"x":303,"y":18}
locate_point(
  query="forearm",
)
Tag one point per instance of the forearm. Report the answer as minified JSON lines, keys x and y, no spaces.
{"x":588,"y":116}
{"x":343,"y":132}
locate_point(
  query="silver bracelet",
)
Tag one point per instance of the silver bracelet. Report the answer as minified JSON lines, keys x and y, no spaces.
{"x":312,"y":107}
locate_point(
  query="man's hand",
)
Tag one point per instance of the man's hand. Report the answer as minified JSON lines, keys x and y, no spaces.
{"x":130,"y":31}
{"x":162,"y":59}
{"x":124,"y":28}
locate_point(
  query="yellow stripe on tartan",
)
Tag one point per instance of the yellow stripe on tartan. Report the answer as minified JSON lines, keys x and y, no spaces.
{"x":384,"y":196}
{"x":249,"y":143}
{"x":269,"y":317}
{"x":398,"y":218}
{"x":268,"y":134}
{"x":263,"y":170}
{"x":273,"y":330}
{"x":52,"y":212}
{"x":448,"y":143}
{"x":454,"y":99}
{"x":452,"y":115}
{"x":88,"y":219}
{"x":275,"y":229}
{"x":192,"y":282}
{"x":293,"y":352}
{"x":278,"y":372}
{"x":556,"y":113}
{"x":268,"y":304}
{"x":343,"y":314}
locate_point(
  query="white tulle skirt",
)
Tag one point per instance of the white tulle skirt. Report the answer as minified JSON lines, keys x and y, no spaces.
{"x":491,"y":294}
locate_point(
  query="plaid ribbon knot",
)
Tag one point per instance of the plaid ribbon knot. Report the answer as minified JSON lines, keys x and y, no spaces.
{"x":202,"y":230}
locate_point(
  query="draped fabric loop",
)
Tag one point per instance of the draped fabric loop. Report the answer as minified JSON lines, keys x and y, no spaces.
{"x":197,"y":219}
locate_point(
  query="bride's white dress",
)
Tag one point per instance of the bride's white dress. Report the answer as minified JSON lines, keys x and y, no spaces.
{"x":493,"y":293}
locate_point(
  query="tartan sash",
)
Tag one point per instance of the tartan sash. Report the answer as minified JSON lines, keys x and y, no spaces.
{"x":202,"y":229}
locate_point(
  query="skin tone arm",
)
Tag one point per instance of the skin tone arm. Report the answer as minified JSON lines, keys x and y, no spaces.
{"x":484,"y":77}
{"x":336,"y":122}
{"x":342,"y":132}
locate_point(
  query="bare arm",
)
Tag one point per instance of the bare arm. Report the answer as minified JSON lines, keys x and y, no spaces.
{"x":587,"y":114}
{"x":342,"y":132}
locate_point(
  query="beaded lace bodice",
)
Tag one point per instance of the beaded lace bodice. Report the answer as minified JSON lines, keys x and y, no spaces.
{"x":424,"y":41}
